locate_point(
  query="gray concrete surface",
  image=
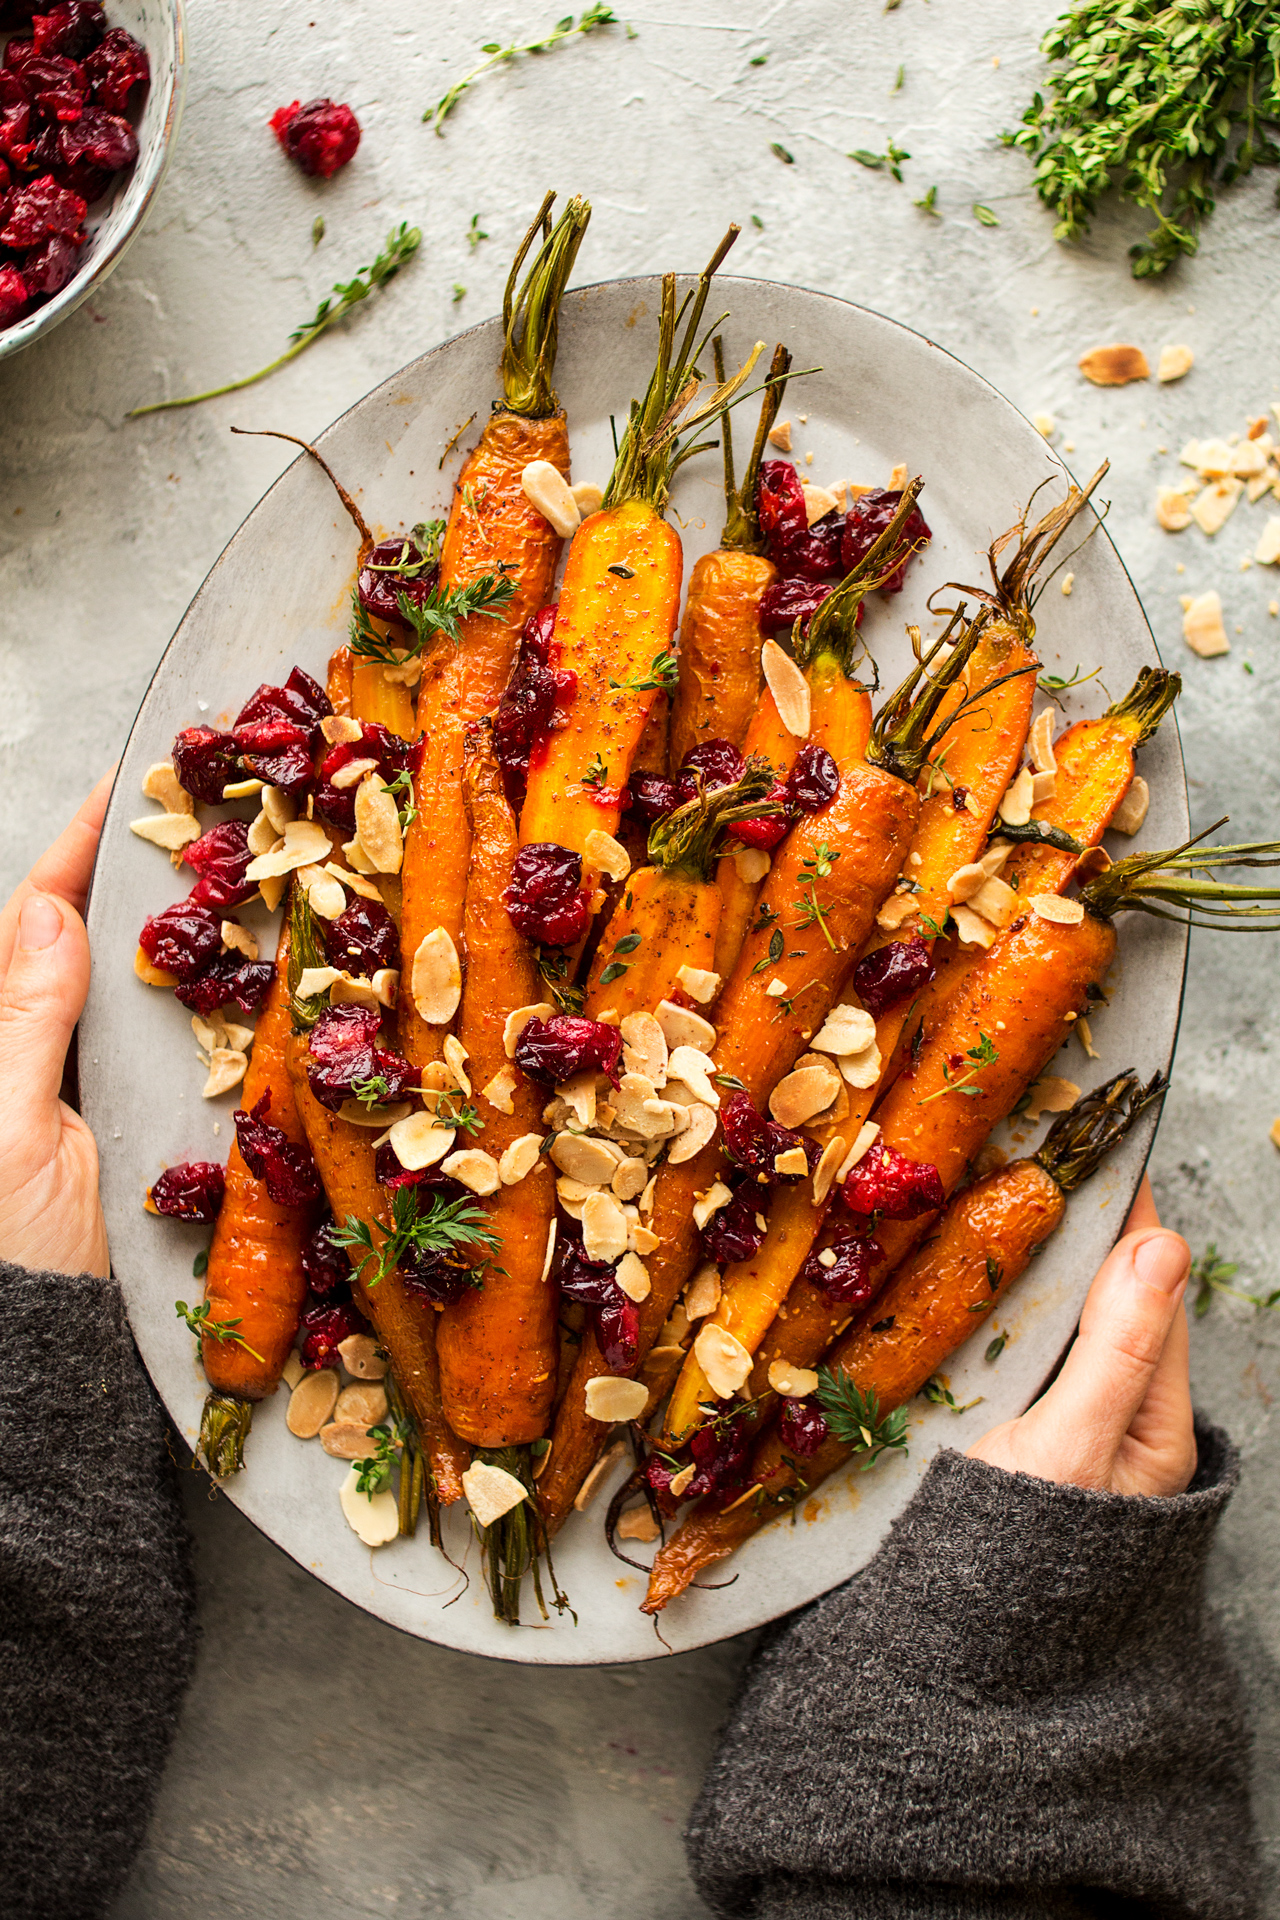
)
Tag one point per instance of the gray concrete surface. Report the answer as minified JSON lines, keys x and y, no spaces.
{"x":325,"y":1763}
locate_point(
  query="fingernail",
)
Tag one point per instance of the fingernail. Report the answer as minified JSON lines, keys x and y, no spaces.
{"x":1162,"y":1261}
{"x":39,"y":923}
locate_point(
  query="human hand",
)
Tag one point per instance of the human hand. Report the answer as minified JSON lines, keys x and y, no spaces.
{"x":1118,"y":1416}
{"x":50,"y":1215}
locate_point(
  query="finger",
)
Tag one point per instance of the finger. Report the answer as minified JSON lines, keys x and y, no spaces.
{"x":42,"y":998}
{"x":1142,"y":1214}
{"x":65,"y":869}
{"x":1158,"y":1454}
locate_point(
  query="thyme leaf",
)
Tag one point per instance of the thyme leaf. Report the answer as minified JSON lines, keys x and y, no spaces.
{"x":497,"y":56}
{"x":854,"y":1417}
{"x":890,"y":161}
{"x":197,"y":1318}
{"x":663,"y":676}
{"x":940,"y":1396}
{"x":1210,"y":1275}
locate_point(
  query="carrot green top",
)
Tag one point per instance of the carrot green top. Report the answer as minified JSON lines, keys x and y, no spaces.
{"x":531,"y":314}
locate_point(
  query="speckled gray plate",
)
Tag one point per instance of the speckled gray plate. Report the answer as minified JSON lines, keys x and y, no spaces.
{"x":279,"y":595}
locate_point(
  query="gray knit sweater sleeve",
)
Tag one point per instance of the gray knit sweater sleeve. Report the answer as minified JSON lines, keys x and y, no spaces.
{"x":95,"y":1596}
{"x":1020,"y":1707}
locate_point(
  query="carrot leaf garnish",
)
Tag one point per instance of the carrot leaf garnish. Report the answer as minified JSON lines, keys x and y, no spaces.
{"x":854,"y":1417}
{"x":453,"y":1229}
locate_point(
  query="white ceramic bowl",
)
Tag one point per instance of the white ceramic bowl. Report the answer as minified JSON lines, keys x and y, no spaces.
{"x":114,"y":221}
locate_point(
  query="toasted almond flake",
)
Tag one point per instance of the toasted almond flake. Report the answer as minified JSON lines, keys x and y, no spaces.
{"x":375,"y":1520}
{"x":695,"y":1068}
{"x":1052,"y":906}
{"x":973,"y":930}
{"x":1212,"y":508}
{"x":325,"y":895}
{"x":751,"y":865}
{"x":172,"y":831}
{"x":896,"y":911}
{"x":262,"y":836}
{"x":1174,"y":362}
{"x":793,"y":1164}
{"x":1044,"y":787}
{"x":702,"y":1295}
{"x":491,"y":1491}
{"x":776,"y":988}
{"x":1084,"y":1034}
{"x":161,"y":783}
{"x":353,"y":773}
{"x":1015,"y":808}
{"x":863,"y":1069}
{"x":1132,"y":811}
{"x":789,"y":688}
{"x":378,"y":825}
{"x":846,"y":1029}
{"x":588,"y":497}
{"x":793,"y":1382}
{"x":818,"y":502}
{"x":550,"y":1254}
{"x":1267,"y":551}
{"x":418,"y":1142}
{"x":801,"y":1094}
{"x":238,"y":939}
{"x":705,"y":1204}
{"x":363,"y":1404}
{"x":1259,"y":484}
{"x":699,"y":983}
{"x":456,"y":1057}
{"x":357,"y":992}
{"x":355,"y":882}
{"x":304,"y":843}
{"x":519,"y":1159}
{"x":242,"y":789}
{"x":641,"y":1240}
{"x":695,"y":1136}
{"x":226,"y":1070}
{"x":723,"y":1359}
{"x":601,"y":850}
{"x":279,"y":807}
{"x":604,"y":1228}
{"x":677,"y":1486}
{"x":996,"y":901}
{"x":868,"y":1134}
{"x":1114,"y":366}
{"x":682,"y":1027}
{"x":361,"y":1356}
{"x":1173,"y":509}
{"x":638,"y":1524}
{"x":968,"y":880}
{"x":632,"y":1276}
{"x":585,"y":1160}
{"x":644,"y":1047}
{"x":827,"y":1258}
{"x":152,"y":976}
{"x":378,"y":1119}
{"x":340,"y":727}
{"x":293,"y":1370}
{"x":603,"y":1467}
{"x":825,"y":1172}
{"x":311,"y":1403}
{"x":1052,"y":1094}
{"x":996,"y":855}
{"x":436,"y":978}
{"x":609,"y":1400}
{"x":1040,"y":741}
{"x":475,"y":1168}
{"x":1202,"y":627}
{"x":386,"y":986}
{"x":314,"y":980}
{"x":346,"y":1440}
{"x":579,"y":1095}
{"x":780,"y":436}
{"x":630,"y":1178}
{"x":548,"y":490}
{"x":518,"y":1019}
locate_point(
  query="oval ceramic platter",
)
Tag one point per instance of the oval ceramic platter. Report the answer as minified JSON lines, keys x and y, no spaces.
{"x":279,"y":596}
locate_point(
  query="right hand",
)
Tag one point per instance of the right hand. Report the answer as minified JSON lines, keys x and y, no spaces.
{"x":50,"y":1214}
{"x":1118,"y":1416}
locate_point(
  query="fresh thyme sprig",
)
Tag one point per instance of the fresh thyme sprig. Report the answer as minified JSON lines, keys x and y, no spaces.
{"x":854,"y":1417}
{"x":455,"y":1229}
{"x":940,"y":1396}
{"x":809,"y":907}
{"x":197,"y":1318}
{"x":439,"y":616}
{"x":663,"y":676}
{"x":1165,"y":101}
{"x":596,"y":774}
{"x":371,"y":1092}
{"x":592,"y":17}
{"x":983,"y":1055}
{"x":402,"y":243}
{"x":890,"y":161}
{"x":402,"y":787}
{"x":465,"y":1118}
{"x":419,"y":552}
{"x":374,"y":1473}
{"x":1209,"y":1275}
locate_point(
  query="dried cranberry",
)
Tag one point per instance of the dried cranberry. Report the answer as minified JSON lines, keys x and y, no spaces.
{"x":380,"y":590}
{"x":615,"y":1318}
{"x":566,"y":1044}
{"x":718,"y":762}
{"x":15,"y":122}
{"x":618,"y":1334}
{"x":320,"y":137}
{"x":325,"y":1326}
{"x":59,"y":87}
{"x":182,"y":940}
{"x":891,"y":973}
{"x":73,"y":27}
{"x":814,"y":780}
{"x":101,"y":142}
{"x":787,"y":601}
{"x":545,"y":900}
{"x":780,"y":502}
{"x":205,"y":760}
{"x":867,"y":519}
{"x":652,"y":796}
{"x":285,"y":1165}
{"x":301,"y":699}
{"x":721,"y":1450}
{"x":192,"y":1191}
{"x":232,"y":981}
{"x":802,"y":1428}
{"x":16,"y":13}
{"x":439,"y":1281}
{"x":814,"y":554}
{"x":362,"y":939}
{"x":850,"y":1280}
{"x":767,"y":828}
{"x":734,"y":1233}
{"x":34,"y":213}
{"x":278,"y":752}
{"x":535,"y":702}
{"x":49,"y":267}
{"x":885,"y":1181}
{"x":959,"y":799}
{"x":393,"y":755}
{"x":13,"y":294}
{"x":388,"y":1172}
{"x":344,"y":1055}
{"x":115,"y":68}
{"x":325,"y":1265}
{"x":755,"y":1142}
{"x":221,"y":857}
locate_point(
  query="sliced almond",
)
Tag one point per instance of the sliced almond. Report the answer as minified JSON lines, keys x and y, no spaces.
{"x":996,"y":855}
{"x":973,"y":930}
{"x":355,"y":882}
{"x":638,"y":1524}
{"x":586,"y":1160}
{"x":846,"y":1029}
{"x":825,"y":1172}
{"x":1052,"y":906}
{"x":227,"y":1067}
{"x":378,"y":825}
{"x":1267,"y":551}
{"x":242,"y":789}
{"x":996,"y":901}
{"x":896,"y":911}
{"x":793,"y":1382}
{"x":706,"y":1204}
{"x":262,"y":836}
{"x":1051,"y":1095}
{"x":1202,"y":627}
{"x":436,"y":978}
{"x":803,"y":1093}
{"x":314,"y":980}
{"x":1015,"y":808}
{"x":491,"y":1492}
{"x":818,"y":502}
{"x":550,"y":1254}
{"x":456,"y":1057}
{"x":1173,"y":509}
{"x":751,"y":865}
{"x":325,"y":895}
{"x":386,"y":987}
{"x":608,"y":1399}
{"x":363,"y":1405}
{"x":868,"y":1134}
{"x":1114,"y":366}
{"x":518,"y":1019}
{"x":378,"y":1119}
{"x":1044,"y":787}
{"x":352,"y":773}
{"x":161,"y":783}
{"x":1040,"y":741}
{"x":604,"y":1228}
{"x":340,"y":727}
{"x":863,"y":1069}
{"x":695,"y":1068}
{"x":418,"y":1142}
{"x":603,"y":1467}
{"x":548,"y":490}
{"x":361,"y":1356}
{"x":632,"y":1276}
{"x":1084,"y":1035}
{"x":644,"y":1048}
{"x":153,"y":976}
{"x":641,"y":1240}
{"x":519,"y":1159}
{"x":1174,"y":362}
{"x":694,"y":1137}
{"x":702,"y":1295}
{"x":699,"y":983}
{"x":630,"y":1177}
{"x":279,"y":807}
{"x":679,"y":1483}
{"x":311,"y":1403}
{"x":1212,"y":508}
{"x":789,"y":688}
{"x":681,"y":1027}
{"x":588,"y":496}
{"x":373,"y":1518}
{"x":579,"y":1096}
{"x":1132,"y":811}
{"x":304,"y":843}
{"x":601,"y":850}
{"x":780,"y":436}
{"x":1249,"y":460}
{"x":238,"y":939}
{"x":293,"y":1370}
{"x":500,"y":1091}
{"x":723,"y":1359}
{"x":346,"y":1440}
{"x":474,"y":1168}
{"x":967,"y":880}
{"x":791,"y":1165}
{"x":172,"y":831}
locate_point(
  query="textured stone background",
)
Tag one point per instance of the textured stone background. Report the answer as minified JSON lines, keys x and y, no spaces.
{"x":323,"y":1758}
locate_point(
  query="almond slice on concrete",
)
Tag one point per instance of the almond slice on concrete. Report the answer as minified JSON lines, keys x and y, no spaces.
{"x":360,"y":1355}
{"x":293,"y":1370}
{"x":789,"y":688}
{"x":1174,"y":362}
{"x":1052,"y":906}
{"x":818,"y":502}
{"x":609,"y":855}
{"x":682,"y":1027}
{"x":793,"y":1382}
{"x":702,"y":1295}
{"x":1202,"y":627}
{"x":632,"y":1276}
{"x":699,"y":983}
{"x":723,"y":1359}
{"x":706,"y":1204}
{"x":475,"y":1168}
{"x":436,"y":979}
{"x":609,"y":1400}
{"x":780,"y":436}
{"x":582,"y":1158}
{"x":519,"y":1159}
{"x":604,"y":1228}
{"x":1114,"y":366}
{"x":693,"y":1138}
{"x":518,"y":1019}
{"x":825,"y":1172}
{"x":418,"y":1142}
{"x":304,"y":844}
{"x":375,"y":1520}
{"x":1132,"y":811}
{"x":227,"y":1066}
{"x":548,"y":490}
{"x":378,"y":825}
{"x":491,"y":1491}
{"x":161,"y":783}
{"x":1052,"y":1094}
{"x":1173,"y":509}
{"x":863,"y":1069}
{"x":846,"y":1029}
{"x":1214,"y":507}
{"x":172,"y":831}
{"x":803,"y":1093}
{"x":311,"y":1403}
{"x":1267,"y":551}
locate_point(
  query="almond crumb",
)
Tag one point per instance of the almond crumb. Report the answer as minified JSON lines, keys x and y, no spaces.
{"x":1114,"y":366}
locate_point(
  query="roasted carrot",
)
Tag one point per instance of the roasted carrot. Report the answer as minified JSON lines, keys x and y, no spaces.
{"x":494,"y":531}
{"x":498,"y":1345}
{"x":938,"y":1300}
{"x":768,"y":739}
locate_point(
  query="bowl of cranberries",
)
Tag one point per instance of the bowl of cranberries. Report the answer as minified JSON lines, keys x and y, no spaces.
{"x":90,"y":96}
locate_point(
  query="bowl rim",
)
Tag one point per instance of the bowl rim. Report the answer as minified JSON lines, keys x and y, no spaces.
{"x":150,"y":169}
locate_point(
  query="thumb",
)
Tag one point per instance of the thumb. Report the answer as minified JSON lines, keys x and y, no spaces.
{"x":41,"y":999}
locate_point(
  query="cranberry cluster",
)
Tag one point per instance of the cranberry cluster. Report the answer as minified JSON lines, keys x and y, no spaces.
{"x":319,"y":138}
{"x":886,"y":1182}
{"x":274,"y":737}
{"x":721,"y":1450}
{"x":185,"y":940}
{"x":554,"y":1050}
{"x":362,"y":940}
{"x":330,"y":1314}
{"x":545,"y":899}
{"x":192,"y":1191}
{"x":393,"y":755}
{"x":285,"y":1165}
{"x":345,"y":1054}
{"x":802,"y":1428}
{"x":383,"y":578}
{"x":615,"y":1319}
{"x":891,"y":973}
{"x":64,"y":91}
{"x":811,"y":785}
{"x":849,"y":1279}
{"x":534,"y":705}
{"x":734,"y":1232}
{"x":811,"y":560}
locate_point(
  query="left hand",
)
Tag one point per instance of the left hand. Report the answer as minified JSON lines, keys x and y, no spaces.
{"x":50,"y":1214}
